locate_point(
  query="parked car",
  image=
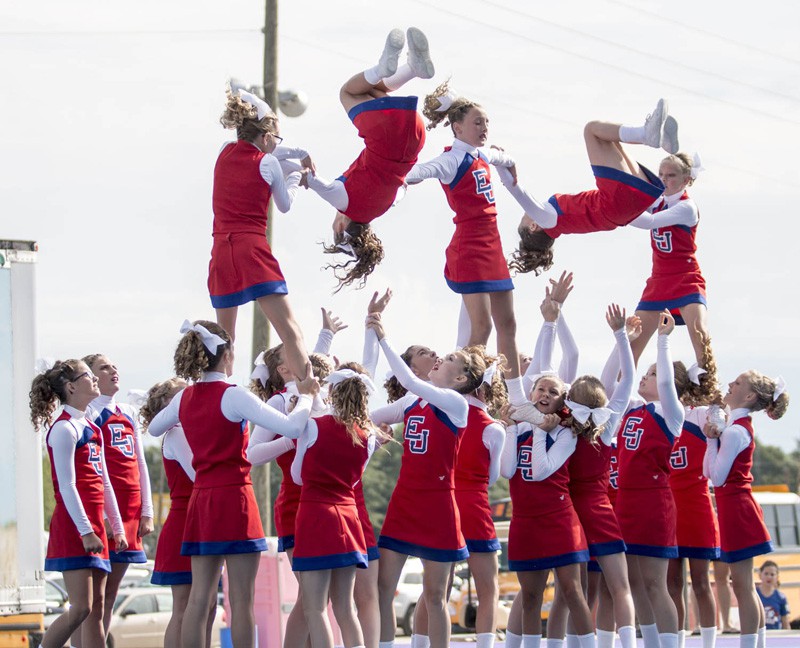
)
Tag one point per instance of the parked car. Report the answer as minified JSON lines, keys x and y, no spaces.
{"x":409,"y":589}
{"x":140,"y":617}
{"x":57,"y":601}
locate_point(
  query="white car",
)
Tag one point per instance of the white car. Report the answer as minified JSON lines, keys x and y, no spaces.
{"x":409,"y":589}
{"x":140,"y":618}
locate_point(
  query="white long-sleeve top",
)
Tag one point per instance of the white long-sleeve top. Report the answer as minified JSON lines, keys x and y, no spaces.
{"x":176,"y":447}
{"x":307,"y":439}
{"x":331,"y":191}
{"x":542,"y":359}
{"x":722,"y":452}
{"x":324,"y":342}
{"x":448,"y":400}
{"x":668,"y":405}
{"x":675,"y":212}
{"x":444,"y":167}
{"x":62,"y":440}
{"x":621,"y":395}
{"x":493,"y":437}
{"x":371,"y":352}
{"x":544,"y":214}
{"x":544,"y":462}
{"x":239,"y":404}
{"x":95,"y":410}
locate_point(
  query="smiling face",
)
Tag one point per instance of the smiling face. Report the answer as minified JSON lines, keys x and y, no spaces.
{"x":474,"y":128}
{"x":740,"y":393}
{"x":648,"y":386}
{"x":107,"y":375}
{"x":421,"y":360}
{"x":548,"y":394}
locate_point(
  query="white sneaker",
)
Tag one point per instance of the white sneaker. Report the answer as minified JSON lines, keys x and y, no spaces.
{"x":419,"y":56}
{"x":387,"y":65}
{"x":654,"y":125}
{"x":527,"y":412}
{"x":670,"y":141}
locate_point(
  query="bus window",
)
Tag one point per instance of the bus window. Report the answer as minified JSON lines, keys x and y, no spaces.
{"x":787,"y":524}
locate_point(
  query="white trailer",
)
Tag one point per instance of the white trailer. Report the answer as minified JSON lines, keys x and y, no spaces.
{"x":22,"y":592}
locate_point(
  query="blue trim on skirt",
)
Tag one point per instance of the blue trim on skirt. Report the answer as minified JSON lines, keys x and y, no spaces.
{"x":426,"y":553}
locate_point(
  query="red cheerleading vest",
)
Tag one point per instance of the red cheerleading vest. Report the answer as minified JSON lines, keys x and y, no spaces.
{"x":645,"y":445}
{"x":430,"y":447}
{"x":333,"y":465}
{"x":613,"y":473}
{"x":218,"y":445}
{"x":241,"y":195}
{"x":472,"y":463}
{"x":674,"y":247}
{"x":532,"y":498}
{"x":119,"y":441}
{"x":739,"y":478}
{"x":589,"y":466}
{"x":470,"y":194}
{"x":179,"y":484}
{"x":686,"y":460}
{"x":88,"y":464}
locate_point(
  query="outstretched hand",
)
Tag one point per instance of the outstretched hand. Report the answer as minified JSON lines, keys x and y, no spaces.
{"x":615,"y":316}
{"x":340,"y":223}
{"x":549,"y":423}
{"x":378,"y":304}
{"x":307,"y":385}
{"x":308,"y":163}
{"x":560,"y":290}
{"x":666,"y":323}
{"x":374,"y":323}
{"x":633,"y":327}
{"x":332,"y":322}
{"x":550,"y":308}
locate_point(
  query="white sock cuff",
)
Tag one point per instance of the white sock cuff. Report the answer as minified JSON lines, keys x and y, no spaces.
{"x":631,"y":134}
{"x":513,"y":640}
{"x":403,"y":75}
{"x":605,"y":638}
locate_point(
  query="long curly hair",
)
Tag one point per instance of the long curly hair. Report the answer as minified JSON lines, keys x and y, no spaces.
{"x":367,"y":254}
{"x":588,"y":391}
{"x":535,"y":252}
{"x":48,"y":389}
{"x":349,"y":400}
{"x":764,"y":389}
{"x":454,"y":114}
{"x":158,"y":397}
{"x":192,"y":358}
{"x":243,"y":117}
{"x":707,"y":392}
{"x":495,"y":395}
{"x":273,"y":358}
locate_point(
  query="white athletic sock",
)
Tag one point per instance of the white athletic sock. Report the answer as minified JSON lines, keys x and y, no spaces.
{"x":555,"y":642}
{"x":668,"y":639}
{"x":748,"y":641}
{"x":631,"y":134}
{"x":681,"y":638}
{"x":387,"y":64}
{"x":515,"y":394}
{"x":605,"y":639}
{"x":386,"y":644}
{"x":513,"y":640}
{"x":762,"y":637}
{"x":403,"y":75}
{"x":649,"y":635}
{"x":709,"y":637}
{"x":531,"y":641}
{"x":627,"y":636}
{"x":484,"y":640}
{"x":573,"y":641}
{"x":587,"y":640}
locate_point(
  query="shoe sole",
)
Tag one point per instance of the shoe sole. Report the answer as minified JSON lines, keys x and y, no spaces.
{"x":670,"y":144}
{"x":419,"y":54}
{"x":395,"y":42}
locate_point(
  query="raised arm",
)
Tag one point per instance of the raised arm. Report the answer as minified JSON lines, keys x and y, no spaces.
{"x":167,"y":418}
{"x":615,"y":316}
{"x":239,"y":404}
{"x":371,"y":347}
{"x":674,"y":412}
{"x":568,"y":369}
{"x":307,"y":439}
{"x":543,"y":214}
{"x":443,"y":168}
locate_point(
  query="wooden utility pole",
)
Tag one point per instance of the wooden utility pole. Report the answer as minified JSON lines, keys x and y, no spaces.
{"x":261,"y":474}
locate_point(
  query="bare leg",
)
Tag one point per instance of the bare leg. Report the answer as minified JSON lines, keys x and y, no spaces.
{"x":722,"y":574}
{"x":557,"y":618}
{"x":506,"y":325}
{"x":604,"y":148}
{"x":478,"y":307}
{"x":366,"y":598}
{"x":569,"y":582}
{"x":242,"y":570}
{"x":654,"y":577}
{"x":649,"y":326}
{"x":390,"y":566}
{"x":745,"y":590}
{"x":279,"y":313}
{"x":112,"y":587}
{"x":212,"y":613}
{"x":421,"y":617}
{"x":675,"y":585}
{"x":226,"y":318}
{"x":180,"y":597}
{"x":484,"y":570}
{"x":358,"y":90}
{"x":435,"y":577}
{"x":205,"y":576}
{"x":701,"y":586}
{"x":605,"y":607}
{"x":615,"y":575}
{"x":644,"y":611}
{"x":93,"y":634}
{"x":78,"y":583}
{"x":694,"y":315}
{"x":296,"y":627}
{"x":533,"y":584}
{"x":315,"y":586}
{"x":515,"y":616}
{"x":341,"y":592}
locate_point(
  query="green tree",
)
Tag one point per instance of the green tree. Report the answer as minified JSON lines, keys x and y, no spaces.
{"x":771,"y":465}
{"x":379,"y":481}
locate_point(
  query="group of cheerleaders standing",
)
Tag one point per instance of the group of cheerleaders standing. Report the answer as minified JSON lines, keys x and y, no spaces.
{"x":596,"y":475}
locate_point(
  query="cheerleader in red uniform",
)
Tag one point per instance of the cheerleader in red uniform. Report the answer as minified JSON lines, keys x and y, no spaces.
{"x":676,"y":282}
{"x":127,"y":469}
{"x":393,"y":135}
{"x":329,"y":540}
{"x":222,"y":521}
{"x":246,"y":176}
{"x":728,"y":462}
{"x":645,"y":506}
{"x":476,"y":267}
{"x":83,"y":491}
{"x":624,"y":189}
{"x":422,"y":518}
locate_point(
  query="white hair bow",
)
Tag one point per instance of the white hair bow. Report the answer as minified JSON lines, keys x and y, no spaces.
{"x":261,"y":106}
{"x":345,"y":246}
{"x":43,"y":365}
{"x":445,"y":101}
{"x":581,"y":413}
{"x":695,"y":371}
{"x":697,"y":166}
{"x":137,"y":397}
{"x":491,"y":370}
{"x":211,"y":341}
{"x":261,"y":371}
{"x":780,"y":387}
{"x":344,"y":374}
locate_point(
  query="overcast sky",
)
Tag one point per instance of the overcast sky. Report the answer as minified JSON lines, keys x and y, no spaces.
{"x":110,"y":134}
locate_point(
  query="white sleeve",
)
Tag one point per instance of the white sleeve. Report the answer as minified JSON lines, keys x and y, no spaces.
{"x":545,"y":462}
{"x":674,"y":412}
{"x":144,"y":477}
{"x":393,"y":412}
{"x":568,"y":369}
{"x":498,"y":157}
{"x":110,"y":506}
{"x":624,"y":389}
{"x":62,"y":439}
{"x":307,"y":439}
{"x":684,"y":212}
{"x":167,"y":418}
{"x":508,"y":459}
{"x":544,"y":214}
{"x":334,"y":192}
{"x":443,"y":168}
{"x":722,"y":452}
{"x":448,"y":400}
{"x":542,"y":359}
{"x":176,"y":447}
{"x":262,"y":452}
{"x":371,"y":352}
{"x":239,"y":404}
{"x":324,"y":341}
{"x":289,"y":153}
{"x":494,"y":436}
{"x":283,"y":189}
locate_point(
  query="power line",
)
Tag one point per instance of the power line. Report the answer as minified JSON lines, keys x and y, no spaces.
{"x":126,"y":32}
